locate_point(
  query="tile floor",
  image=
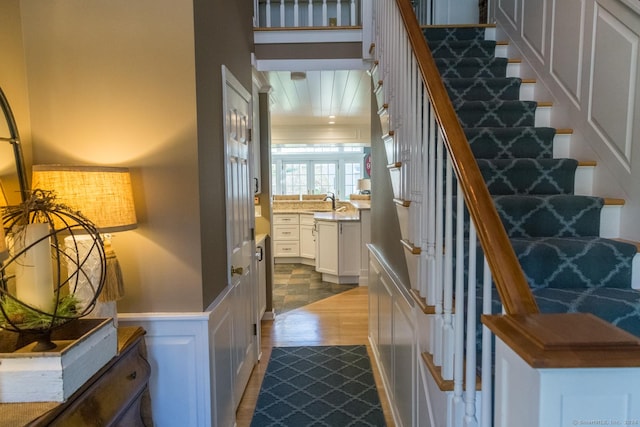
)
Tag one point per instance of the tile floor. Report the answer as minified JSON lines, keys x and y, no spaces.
{"x":296,"y":285}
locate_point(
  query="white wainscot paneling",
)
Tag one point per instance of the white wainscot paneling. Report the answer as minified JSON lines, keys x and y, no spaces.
{"x":613,"y":83}
{"x":404,"y":359}
{"x":567,"y":46}
{"x":177,"y":351}
{"x":221,"y":348}
{"x":534,"y":26}
{"x":510,"y":10}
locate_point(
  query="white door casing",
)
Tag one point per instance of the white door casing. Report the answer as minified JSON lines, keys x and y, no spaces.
{"x":240,"y":220}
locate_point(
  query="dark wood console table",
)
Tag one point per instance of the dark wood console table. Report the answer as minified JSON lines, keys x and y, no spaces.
{"x":117,"y":395}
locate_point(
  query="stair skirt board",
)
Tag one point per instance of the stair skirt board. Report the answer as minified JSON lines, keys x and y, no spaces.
{"x":559,"y":237}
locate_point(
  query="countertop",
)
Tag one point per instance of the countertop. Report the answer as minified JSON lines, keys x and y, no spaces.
{"x":337,"y":216}
{"x":361,"y":205}
{"x":260,"y":238}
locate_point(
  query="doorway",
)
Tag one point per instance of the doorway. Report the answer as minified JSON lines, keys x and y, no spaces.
{"x":319,"y":143}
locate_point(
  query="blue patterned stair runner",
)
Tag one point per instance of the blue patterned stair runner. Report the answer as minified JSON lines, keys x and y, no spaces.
{"x":554,"y":233}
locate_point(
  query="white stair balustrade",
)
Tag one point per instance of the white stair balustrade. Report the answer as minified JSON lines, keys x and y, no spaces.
{"x":293,"y":14}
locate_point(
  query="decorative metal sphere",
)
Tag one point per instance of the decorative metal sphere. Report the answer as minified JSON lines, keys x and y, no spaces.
{"x":55,"y":269}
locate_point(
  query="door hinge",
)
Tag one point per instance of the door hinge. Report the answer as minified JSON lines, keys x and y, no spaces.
{"x":255,"y":329}
{"x":253,"y":234}
{"x":249,"y":134}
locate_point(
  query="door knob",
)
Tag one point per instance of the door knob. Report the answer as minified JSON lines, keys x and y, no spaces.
{"x":236,"y":270}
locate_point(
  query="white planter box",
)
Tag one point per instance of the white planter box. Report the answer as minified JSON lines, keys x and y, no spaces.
{"x":53,"y":376}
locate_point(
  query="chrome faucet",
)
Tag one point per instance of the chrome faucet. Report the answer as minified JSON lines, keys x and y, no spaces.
{"x":331,"y":197}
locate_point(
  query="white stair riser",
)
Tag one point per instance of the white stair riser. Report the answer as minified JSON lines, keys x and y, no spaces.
{"x":561,"y":144}
{"x":610,"y":221}
{"x":584,"y":180}
{"x":635,"y":272}
{"x":502,"y":51}
{"x":527,"y":91}
{"x":543,"y":116}
{"x":513,"y":69}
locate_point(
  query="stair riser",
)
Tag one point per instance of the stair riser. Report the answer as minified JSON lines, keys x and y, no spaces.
{"x":610,"y":221}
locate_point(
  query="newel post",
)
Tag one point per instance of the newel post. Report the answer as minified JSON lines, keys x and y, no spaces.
{"x":564,"y":370}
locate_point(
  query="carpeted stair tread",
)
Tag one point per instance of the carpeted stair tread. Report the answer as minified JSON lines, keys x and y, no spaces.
{"x":620,"y":307}
{"x":459,"y":49}
{"x":575,"y":262}
{"x":549,"y":215}
{"x":498,"y":113}
{"x":450,"y":34}
{"x":483,"y":89}
{"x":472,"y":67}
{"x":529,"y":176}
{"x":554,"y":233}
{"x":512,"y":142}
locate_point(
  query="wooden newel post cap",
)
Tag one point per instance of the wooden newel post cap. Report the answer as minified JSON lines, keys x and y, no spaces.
{"x":566,"y":340}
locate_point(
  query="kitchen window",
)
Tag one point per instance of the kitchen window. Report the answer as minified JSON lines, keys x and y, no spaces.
{"x":316,"y":169}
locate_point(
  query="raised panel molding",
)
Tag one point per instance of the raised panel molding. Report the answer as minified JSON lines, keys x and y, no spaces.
{"x":534,"y":23}
{"x":178,"y":353}
{"x":613,"y":83}
{"x":567,"y":46}
{"x":510,"y":10}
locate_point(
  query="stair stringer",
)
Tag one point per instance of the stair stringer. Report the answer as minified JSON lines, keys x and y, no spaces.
{"x":618,"y":174}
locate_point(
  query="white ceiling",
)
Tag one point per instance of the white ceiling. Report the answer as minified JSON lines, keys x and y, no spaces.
{"x":344,"y":94}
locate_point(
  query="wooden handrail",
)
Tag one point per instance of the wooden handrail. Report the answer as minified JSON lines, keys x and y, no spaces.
{"x":514,"y":291}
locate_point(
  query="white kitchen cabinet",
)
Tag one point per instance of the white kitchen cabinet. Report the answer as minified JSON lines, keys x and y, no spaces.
{"x":307,"y":236}
{"x":338,"y":251}
{"x":286,"y":235}
{"x":327,"y":245}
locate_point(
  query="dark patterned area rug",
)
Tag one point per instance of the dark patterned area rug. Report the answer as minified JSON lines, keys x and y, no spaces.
{"x":318,"y":386}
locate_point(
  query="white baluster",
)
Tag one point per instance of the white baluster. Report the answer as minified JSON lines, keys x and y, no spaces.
{"x":431,"y":220}
{"x":437,"y":356}
{"x":268,"y":13}
{"x":425,"y":186}
{"x":487,"y":374}
{"x":458,"y":369}
{"x":296,"y":20}
{"x":448,"y":339}
{"x":310,"y":13}
{"x":282,"y":23}
{"x":325,"y":22}
{"x":470,"y":380}
{"x":352,"y":14}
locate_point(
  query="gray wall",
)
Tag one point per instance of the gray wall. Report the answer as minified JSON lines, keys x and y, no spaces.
{"x":217,"y":45}
{"x":385,"y":228}
{"x":137,"y":83}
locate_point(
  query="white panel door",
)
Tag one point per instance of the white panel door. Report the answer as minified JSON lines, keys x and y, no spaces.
{"x":240,"y":243}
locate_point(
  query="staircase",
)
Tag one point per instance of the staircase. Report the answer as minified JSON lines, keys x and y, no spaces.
{"x":501,"y":235}
{"x":555,"y":233}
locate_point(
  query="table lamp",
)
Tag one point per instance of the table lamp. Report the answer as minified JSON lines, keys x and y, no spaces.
{"x":104,"y":196}
{"x":364,"y":186}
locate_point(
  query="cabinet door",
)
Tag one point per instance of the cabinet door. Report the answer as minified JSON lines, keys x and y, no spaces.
{"x":327,"y":255}
{"x":307,"y":241}
{"x":349,"y":249}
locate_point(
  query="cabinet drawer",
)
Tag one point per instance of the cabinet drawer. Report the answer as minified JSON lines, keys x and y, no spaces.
{"x":285,"y":219}
{"x":286,"y":232}
{"x":307,"y":219}
{"x":286,"y":248}
{"x":111,"y":397}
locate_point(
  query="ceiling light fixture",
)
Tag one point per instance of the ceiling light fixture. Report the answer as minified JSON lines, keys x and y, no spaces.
{"x":298,"y":75}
